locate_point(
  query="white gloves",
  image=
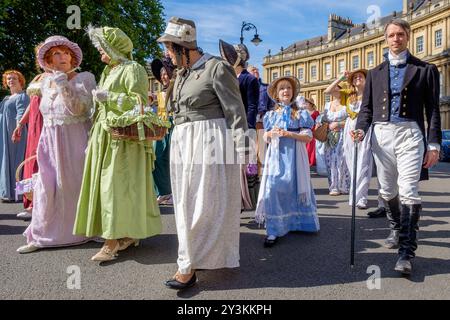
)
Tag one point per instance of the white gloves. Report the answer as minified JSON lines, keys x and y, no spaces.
{"x":60,"y":79}
{"x":100,"y":95}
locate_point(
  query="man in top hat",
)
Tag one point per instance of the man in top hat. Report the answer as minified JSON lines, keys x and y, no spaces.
{"x":397,"y":94}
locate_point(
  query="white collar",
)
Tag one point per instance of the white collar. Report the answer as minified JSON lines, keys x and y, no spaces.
{"x":202,"y":61}
{"x":395,"y":60}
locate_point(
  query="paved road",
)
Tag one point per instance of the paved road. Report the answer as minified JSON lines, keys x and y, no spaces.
{"x":301,"y":266}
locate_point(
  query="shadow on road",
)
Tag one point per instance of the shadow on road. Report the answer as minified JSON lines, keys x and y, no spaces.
{"x":11,"y":230}
{"x":9,"y":216}
{"x":302,"y":260}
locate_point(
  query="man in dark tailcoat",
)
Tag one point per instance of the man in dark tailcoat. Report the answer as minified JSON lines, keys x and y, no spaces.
{"x":398,"y":94}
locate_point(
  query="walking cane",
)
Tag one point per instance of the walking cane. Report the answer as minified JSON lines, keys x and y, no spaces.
{"x":355,"y":163}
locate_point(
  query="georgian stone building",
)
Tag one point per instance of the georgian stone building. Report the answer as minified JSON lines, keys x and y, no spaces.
{"x":318,"y":61}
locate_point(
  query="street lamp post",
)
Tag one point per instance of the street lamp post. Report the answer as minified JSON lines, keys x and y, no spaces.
{"x":247,"y":26}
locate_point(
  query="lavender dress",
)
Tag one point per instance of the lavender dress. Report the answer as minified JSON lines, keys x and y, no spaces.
{"x":60,"y":156}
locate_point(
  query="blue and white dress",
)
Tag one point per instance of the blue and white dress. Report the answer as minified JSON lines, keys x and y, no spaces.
{"x":338,"y":174}
{"x":286,"y":199}
{"x":11,"y":154}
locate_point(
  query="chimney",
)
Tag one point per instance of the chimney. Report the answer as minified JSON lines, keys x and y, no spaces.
{"x":405,"y":6}
{"x":337,"y":25}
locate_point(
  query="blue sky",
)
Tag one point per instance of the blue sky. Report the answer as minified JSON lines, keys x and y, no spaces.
{"x":279,"y":23}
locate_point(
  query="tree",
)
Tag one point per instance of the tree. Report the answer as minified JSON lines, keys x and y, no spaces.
{"x":24,"y":24}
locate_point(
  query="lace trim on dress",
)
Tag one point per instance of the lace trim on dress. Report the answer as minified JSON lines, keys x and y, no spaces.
{"x":59,"y":121}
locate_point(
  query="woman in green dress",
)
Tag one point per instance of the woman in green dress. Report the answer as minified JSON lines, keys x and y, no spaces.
{"x":117,"y":200}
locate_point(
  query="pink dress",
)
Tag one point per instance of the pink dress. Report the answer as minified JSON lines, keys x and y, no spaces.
{"x":60,"y":156}
{"x":34,"y":132}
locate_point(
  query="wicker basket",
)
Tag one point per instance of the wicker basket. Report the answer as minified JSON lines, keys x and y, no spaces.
{"x":321,"y":131}
{"x":131,"y":132}
{"x":26,"y":182}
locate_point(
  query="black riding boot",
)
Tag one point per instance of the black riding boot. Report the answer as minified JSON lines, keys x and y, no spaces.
{"x":409,"y":220}
{"x":393,"y":214}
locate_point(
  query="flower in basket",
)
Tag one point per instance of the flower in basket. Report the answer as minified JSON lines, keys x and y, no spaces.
{"x":26,"y":186}
{"x":252,"y":169}
{"x":137,"y":111}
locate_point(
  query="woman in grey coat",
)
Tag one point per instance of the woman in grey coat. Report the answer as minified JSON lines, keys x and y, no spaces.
{"x":204,"y":163}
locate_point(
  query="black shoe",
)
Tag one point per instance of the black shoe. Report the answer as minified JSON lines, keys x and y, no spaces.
{"x":175,"y":284}
{"x":268,"y":243}
{"x":404,"y":265}
{"x":379,"y":213}
{"x":392,"y":241}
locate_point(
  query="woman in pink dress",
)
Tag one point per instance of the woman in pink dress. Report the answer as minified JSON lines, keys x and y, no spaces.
{"x":65,"y":106}
{"x":311,"y":146}
{"x":33,"y":118}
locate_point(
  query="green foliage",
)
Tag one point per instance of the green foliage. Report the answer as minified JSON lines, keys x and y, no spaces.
{"x":25,"y":23}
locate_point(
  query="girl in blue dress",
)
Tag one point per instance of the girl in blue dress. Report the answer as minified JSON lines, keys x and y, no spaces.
{"x":286,"y":200}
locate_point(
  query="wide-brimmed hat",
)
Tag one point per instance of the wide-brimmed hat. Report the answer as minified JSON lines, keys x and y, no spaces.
{"x":181,"y":32}
{"x":352,"y":75}
{"x":272,"y":89}
{"x":235,"y":54}
{"x":311,"y":101}
{"x":303,"y":99}
{"x":116,"y":44}
{"x":55,"y":41}
{"x":158,"y":64}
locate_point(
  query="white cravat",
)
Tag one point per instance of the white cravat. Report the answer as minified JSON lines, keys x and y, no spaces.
{"x":395,"y":60}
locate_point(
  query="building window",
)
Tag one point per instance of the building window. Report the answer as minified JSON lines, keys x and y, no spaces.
{"x":274,"y":76}
{"x":370,"y":59}
{"x":313,"y":72}
{"x":300,"y":74}
{"x":155,"y":87}
{"x":287,"y":73}
{"x":341,"y":66}
{"x":441,"y":83}
{"x":419,"y":44}
{"x":355,"y":62}
{"x":328,"y":69}
{"x":327,"y":98}
{"x":438,"y":38}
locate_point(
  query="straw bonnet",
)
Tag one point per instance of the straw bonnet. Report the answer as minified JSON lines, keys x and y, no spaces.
{"x":352,"y":75}
{"x":311,"y":101}
{"x":272,"y":89}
